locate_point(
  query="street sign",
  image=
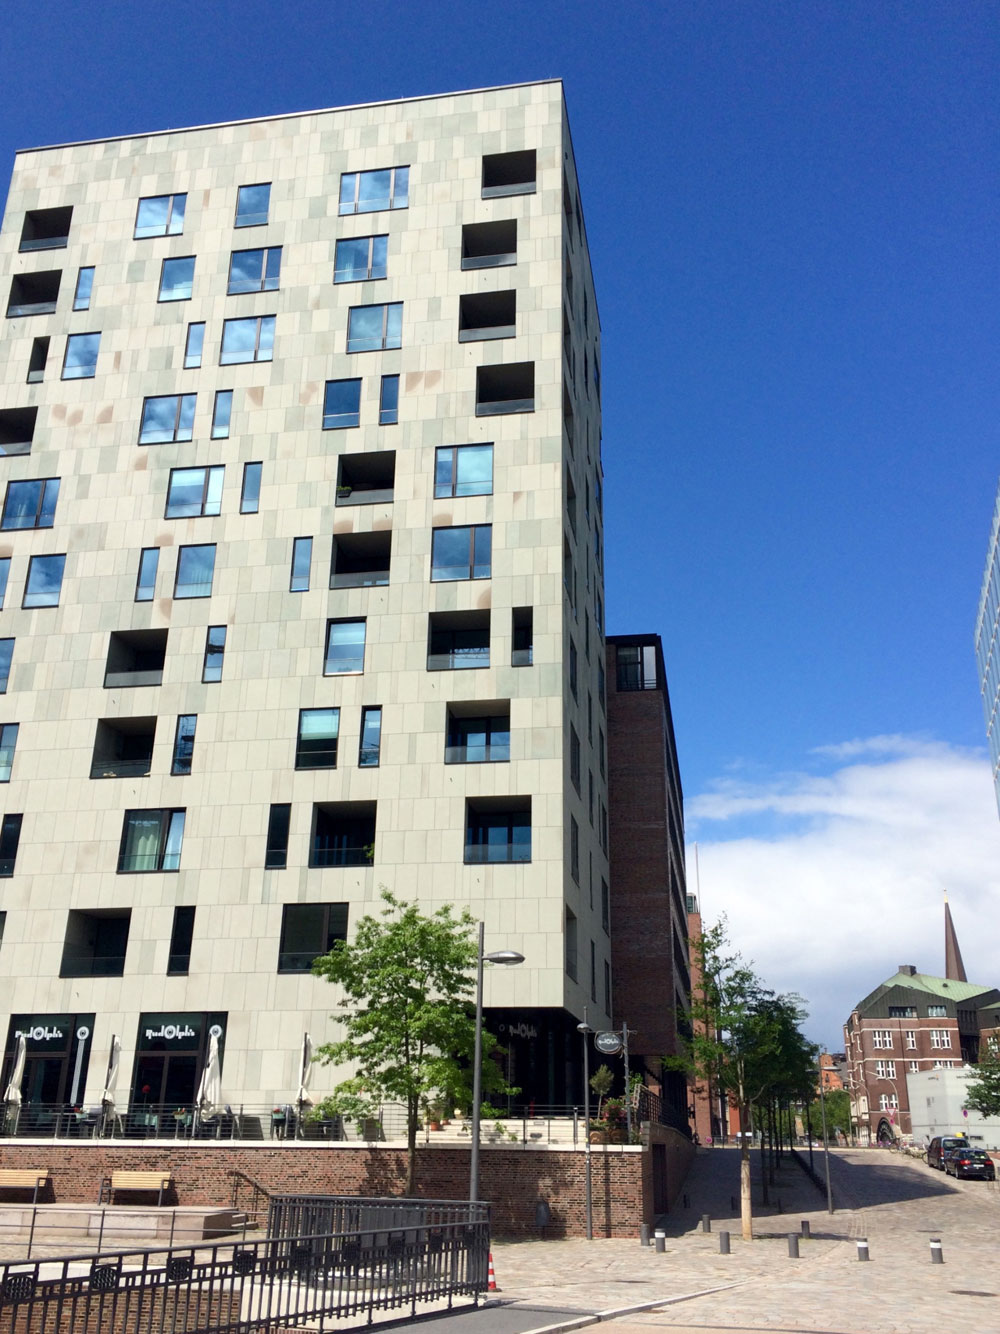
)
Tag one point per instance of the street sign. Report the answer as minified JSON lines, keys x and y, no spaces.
{"x":608,"y":1044}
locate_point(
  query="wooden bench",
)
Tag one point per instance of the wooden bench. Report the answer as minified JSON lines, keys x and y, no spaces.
{"x":118,"y":1181}
{"x":12,"y":1178}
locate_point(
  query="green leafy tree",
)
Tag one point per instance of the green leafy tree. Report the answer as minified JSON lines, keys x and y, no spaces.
{"x":838,"y":1114}
{"x":983,"y":1093}
{"x":408,"y":984}
{"x":601,"y":1082}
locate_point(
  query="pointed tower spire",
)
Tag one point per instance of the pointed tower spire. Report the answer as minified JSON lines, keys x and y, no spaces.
{"x":954,"y":968}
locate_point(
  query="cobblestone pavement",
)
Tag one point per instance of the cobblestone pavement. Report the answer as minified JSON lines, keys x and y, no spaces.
{"x":898,"y":1204}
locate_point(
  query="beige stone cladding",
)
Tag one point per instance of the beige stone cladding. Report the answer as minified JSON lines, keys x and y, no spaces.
{"x":544,"y":510}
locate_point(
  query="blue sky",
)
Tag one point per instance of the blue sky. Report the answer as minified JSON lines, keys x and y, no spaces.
{"x":791,"y":210}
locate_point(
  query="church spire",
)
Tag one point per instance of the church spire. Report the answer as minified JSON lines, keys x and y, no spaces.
{"x":954,"y":968}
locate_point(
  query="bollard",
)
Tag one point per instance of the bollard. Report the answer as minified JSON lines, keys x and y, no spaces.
{"x":723,"y":1243}
{"x":661,"y":1241}
{"x":863,"y":1248}
{"x":643,"y":1234}
{"x":937,"y":1254}
{"x":706,"y":1222}
{"x":805,"y":1227}
{"x":793,"y":1246}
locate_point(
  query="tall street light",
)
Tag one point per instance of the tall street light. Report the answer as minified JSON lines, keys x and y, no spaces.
{"x":502,"y":957}
{"x":585,"y":1031}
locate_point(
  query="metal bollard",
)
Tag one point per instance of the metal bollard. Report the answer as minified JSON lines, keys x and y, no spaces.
{"x":661,"y":1241}
{"x":643,"y":1234}
{"x":723,"y":1243}
{"x":706,"y":1222}
{"x":804,"y":1225}
{"x":863,"y":1249}
{"x":937,"y":1254}
{"x":793,"y":1246}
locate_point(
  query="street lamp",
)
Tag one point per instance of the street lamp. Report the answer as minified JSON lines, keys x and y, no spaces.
{"x":585,"y":1031}
{"x":502,"y":957}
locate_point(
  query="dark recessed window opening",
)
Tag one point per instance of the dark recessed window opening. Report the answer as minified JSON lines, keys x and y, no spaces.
{"x":181,"y":935}
{"x":34,"y":293}
{"x":509,"y":173}
{"x":366,"y":479}
{"x":501,"y":389}
{"x":488,"y":245}
{"x":457,"y":640}
{"x":10,"y":837}
{"x":498,"y":830}
{"x":37,"y":361}
{"x":276,"y":848}
{"x":123,"y":748}
{"x":478,"y":733}
{"x":17,"y":430}
{"x":343,"y":834}
{"x":307,"y":931}
{"x":95,"y":942}
{"x":361,"y":560}
{"x":483,"y":315}
{"x":46,"y":228}
{"x":135,"y":658}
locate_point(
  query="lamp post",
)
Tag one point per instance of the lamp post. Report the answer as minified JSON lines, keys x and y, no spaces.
{"x":585,"y":1031}
{"x":503,"y":957}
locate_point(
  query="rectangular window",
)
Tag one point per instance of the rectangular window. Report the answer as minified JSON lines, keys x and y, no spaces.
{"x":375,"y":328}
{"x":488,"y":245}
{"x":84,"y":288}
{"x":370,"y":746}
{"x":937,"y":1012}
{"x":95,"y":943}
{"x":636,"y":668}
{"x":221,"y":413}
{"x":301,"y":561}
{"x":250,"y":494}
{"x":151,"y":841}
{"x":181,"y":936}
{"x":895,"y":1011}
{"x":34,"y":293}
{"x":461,"y":553}
{"x":10,"y":837}
{"x":252,"y":204}
{"x":194,"y":346}
{"x":215,"y":648}
{"x":600,"y":750}
{"x":605,"y":907}
{"x":571,"y":944}
{"x":505,"y":387}
{"x":882,"y":1039}
{"x":167,"y":418}
{"x":913,"y":1067}
{"x":372,"y":191}
{"x":498,"y":830}
{"x":254,"y":270}
{"x":590,"y":798}
{"x":341,"y":404}
{"x":30,"y":504}
{"x":316,"y":745}
{"x":885,"y":1069}
{"x":184,"y":743}
{"x":6,"y":654}
{"x":463,"y":470}
{"x":479,"y":739}
{"x":36,"y":363}
{"x":574,"y":849}
{"x":343,"y":834}
{"x":345,"y":647}
{"x":911,"y":1039}
{"x":135,"y":658}
{"x":360,"y":258}
{"x":276,"y":850}
{"x":8,"y":743}
{"x":195,"y":571}
{"x":309,"y":930}
{"x":574,"y":758}
{"x":160,"y":215}
{"x":193,"y":492}
{"x":522,"y":636}
{"x":145,"y":584}
{"x":44,"y":582}
{"x":940,"y":1038}
{"x":80,"y":361}
{"x":388,"y":401}
{"x":176,"y":279}
{"x":247,"y":340}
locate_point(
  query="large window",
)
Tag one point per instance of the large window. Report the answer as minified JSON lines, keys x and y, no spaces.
{"x":10,"y":837}
{"x":123,"y":748}
{"x":252,"y":204}
{"x":343,"y":834}
{"x":307,"y":931}
{"x":498,"y":830}
{"x":509,"y":173}
{"x":34,"y":293}
{"x":30,"y":504}
{"x":80,"y":361}
{"x":478,"y":738}
{"x":940,"y":1038}
{"x":177,"y":279}
{"x":461,"y":553}
{"x":8,"y":744}
{"x":254,"y":270}
{"x":360,"y":258}
{"x":135,"y":658}
{"x":463,"y":470}
{"x":341,"y":404}
{"x":160,"y":215}
{"x":95,"y":942}
{"x":192,"y":492}
{"x":247,"y":340}
{"x":370,"y":746}
{"x":44,"y":582}
{"x":166,"y":418}
{"x":375,"y":328}
{"x":345,"y":647}
{"x":195,"y":571}
{"x":151,"y":841}
{"x":636,"y":667}
{"x":46,"y":228}
{"x":371,"y":191}
{"x":316,"y":745}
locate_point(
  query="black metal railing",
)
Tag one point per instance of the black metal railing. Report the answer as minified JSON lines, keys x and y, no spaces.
{"x":239,"y":1287}
{"x":294,"y":1215}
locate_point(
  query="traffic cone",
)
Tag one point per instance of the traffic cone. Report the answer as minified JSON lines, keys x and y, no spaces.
{"x":491,"y":1285}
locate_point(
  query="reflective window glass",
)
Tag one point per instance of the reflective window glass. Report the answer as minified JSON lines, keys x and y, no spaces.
{"x":177,"y":279}
{"x":80,"y":362}
{"x":44,"y":582}
{"x":252,"y":204}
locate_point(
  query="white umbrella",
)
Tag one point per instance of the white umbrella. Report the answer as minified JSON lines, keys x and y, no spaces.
{"x":111,"y":1078}
{"x":13,"y":1094}
{"x":305,"y":1074}
{"x":210,"y":1088}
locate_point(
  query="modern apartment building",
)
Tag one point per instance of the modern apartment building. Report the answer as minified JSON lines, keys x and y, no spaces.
{"x":988,"y":646}
{"x":301,"y":555}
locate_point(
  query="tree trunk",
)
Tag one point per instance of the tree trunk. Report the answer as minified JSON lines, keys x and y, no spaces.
{"x":746,"y":1207}
{"x":411,"y":1148}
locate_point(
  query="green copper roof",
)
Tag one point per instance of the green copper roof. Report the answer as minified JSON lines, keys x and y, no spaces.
{"x":936,"y":986}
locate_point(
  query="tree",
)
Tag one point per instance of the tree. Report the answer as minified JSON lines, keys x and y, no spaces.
{"x":983,"y":1092}
{"x":838,"y":1114}
{"x":409,"y":1025}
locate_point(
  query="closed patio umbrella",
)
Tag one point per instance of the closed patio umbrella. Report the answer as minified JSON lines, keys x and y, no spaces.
{"x":305,"y":1074}
{"x":111,"y":1078}
{"x":12,"y":1095}
{"x":210,"y":1088}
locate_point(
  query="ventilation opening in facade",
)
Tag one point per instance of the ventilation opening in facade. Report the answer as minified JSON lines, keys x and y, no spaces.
{"x":366,"y":479}
{"x":95,"y":942}
{"x":123,"y":748}
{"x":46,"y":229}
{"x":483,"y":315}
{"x":488,"y":245}
{"x":360,"y":560}
{"x":34,"y":293}
{"x":458,"y":639}
{"x":17,"y":430}
{"x":135,"y":658}
{"x":509,"y":174}
{"x":502,"y":389}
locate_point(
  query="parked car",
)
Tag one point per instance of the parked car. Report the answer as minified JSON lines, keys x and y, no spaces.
{"x":970,"y":1163}
{"x":940,"y":1145}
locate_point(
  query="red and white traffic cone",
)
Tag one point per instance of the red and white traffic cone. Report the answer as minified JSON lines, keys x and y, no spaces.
{"x":491,"y":1285}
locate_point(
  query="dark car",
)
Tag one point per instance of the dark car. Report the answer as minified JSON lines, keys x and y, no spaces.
{"x":970,"y":1163}
{"x":940,"y":1145}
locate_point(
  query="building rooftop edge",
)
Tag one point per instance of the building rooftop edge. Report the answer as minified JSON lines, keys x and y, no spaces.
{"x":285,"y":115}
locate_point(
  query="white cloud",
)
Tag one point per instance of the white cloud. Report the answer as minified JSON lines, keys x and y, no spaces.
{"x":830,"y":881}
